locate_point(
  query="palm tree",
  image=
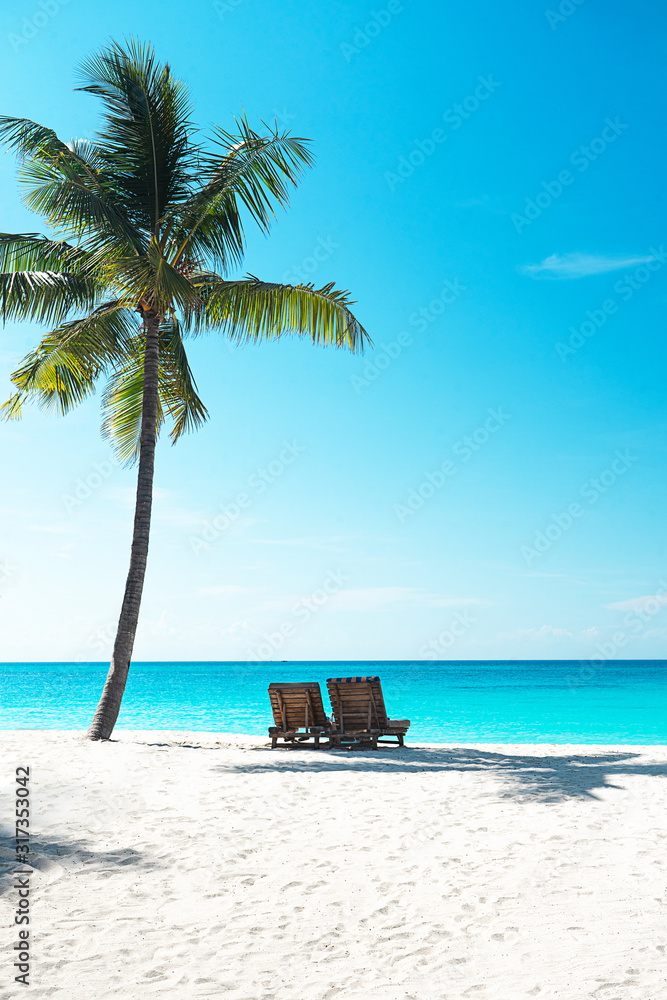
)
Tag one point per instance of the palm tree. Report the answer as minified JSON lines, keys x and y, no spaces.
{"x":146,"y":228}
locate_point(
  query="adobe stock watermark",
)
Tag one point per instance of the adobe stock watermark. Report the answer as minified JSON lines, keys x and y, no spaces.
{"x":363,"y":36}
{"x":625,"y":288}
{"x":564,"y":10}
{"x":223,"y":7}
{"x":301,"y":273}
{"x":283,"y":117}
{"x":591,"y":491}
{"x":464,"y":449}
{"x":100,"y":641}
{"x":257,"y":483}
{"x":301,"y":612}
{"x":581,"y":158}
{"x":85,"y":487}
{"x":45,"y":11}
{"x":453,"y":117}
{"x":7,"y":571}
{"x":635,"y":623}
{"x":437,"y":648}
{"x":385,"y":354}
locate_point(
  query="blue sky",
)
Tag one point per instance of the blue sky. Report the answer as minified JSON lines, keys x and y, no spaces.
{"x":489,"y":480}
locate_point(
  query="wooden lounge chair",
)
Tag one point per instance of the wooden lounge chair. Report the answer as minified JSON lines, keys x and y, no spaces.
{"x":298,"y":713}
{"x":360,"y":714}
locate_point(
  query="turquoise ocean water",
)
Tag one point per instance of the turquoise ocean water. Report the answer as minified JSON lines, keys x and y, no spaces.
{"x":471,"y":701}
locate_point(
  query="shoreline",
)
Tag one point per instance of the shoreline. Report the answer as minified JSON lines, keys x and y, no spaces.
{"x":222,"y":739}
{"x":195,"y":864}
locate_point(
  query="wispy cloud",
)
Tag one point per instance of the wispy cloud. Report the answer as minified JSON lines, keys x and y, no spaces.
{"x":580,"y":265}
{"x":221,"y":590}
{"x":366,"y":598}
{"x":434,"y":601}
{"x":52,"y":529}
{"x":333,"y":544}
{"x":649,"y":603}
{"x":541,"y":634}
{"x":655,"y":633}
{"x":592,"y":634}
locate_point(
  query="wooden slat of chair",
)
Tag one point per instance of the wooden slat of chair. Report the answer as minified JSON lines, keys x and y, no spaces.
{"x":282,"y":708}
{"x":358,"y":704}
{"x":294,"y":703}
{"x":334,"y":698}
{"x":298,"y":711}
{"x":372,"y":701}
{"x":309,"y":705}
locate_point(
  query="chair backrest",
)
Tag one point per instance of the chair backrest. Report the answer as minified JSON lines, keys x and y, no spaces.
{"x":297,"y":705}
{"x":357,"y":703}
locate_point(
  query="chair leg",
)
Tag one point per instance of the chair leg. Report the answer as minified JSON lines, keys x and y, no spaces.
{"x":400,"y":740}
{"x":274,"y":742}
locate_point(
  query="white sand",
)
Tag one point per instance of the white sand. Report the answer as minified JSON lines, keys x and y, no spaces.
{"x":198,"y":865}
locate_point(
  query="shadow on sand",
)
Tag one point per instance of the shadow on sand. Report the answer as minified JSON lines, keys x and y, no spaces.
{"x":549,"y":778}
{"x":70,"y":856}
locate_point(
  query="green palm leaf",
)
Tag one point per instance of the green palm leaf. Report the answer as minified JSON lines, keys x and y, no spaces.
{"x":250,"y":309}
{"x":63,"y":370}
{"x":254,"y":170}
{"x":145,"y":144}
{"x":31,"y":252}
{"x":122,"y":402}
{"x":178,"y":389}
{"x":46,"y":296}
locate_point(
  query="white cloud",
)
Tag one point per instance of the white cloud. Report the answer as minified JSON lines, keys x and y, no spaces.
{"x":453,"y":602}
{"x":649,"y":603}
{"x":53,"y":529}
{"x":540,"y":634}
{"x":311,"y":542}
{"x":580,"y":265}
{"x":378,"y":597}
{"x":215,"y":640}
{"x":221,"y":590}
{"x":363,"y":599}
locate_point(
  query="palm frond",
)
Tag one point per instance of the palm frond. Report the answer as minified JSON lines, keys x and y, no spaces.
{"x":122,"y":401}
{"x":145,"y":143}
{"x":27,"y":139}
{"x":254,"y":170}
{"x":32,"y":252}
{"x":150,"y":279}
{"x":12,"y":409}
{"x":62,"y":371}
{"x":110,"y":265}
{"x":178,"y":390}
{"x":254,"y":310}
{"x":264,"y":167}
{"x":122,"y":405}
{"x":170,"y":287}
{"x":75,"y":202}
{"x":61,"y":184}
{"x":46,"y":296}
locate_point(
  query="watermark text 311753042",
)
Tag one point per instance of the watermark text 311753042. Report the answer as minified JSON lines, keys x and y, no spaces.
{"x":22,"y":873}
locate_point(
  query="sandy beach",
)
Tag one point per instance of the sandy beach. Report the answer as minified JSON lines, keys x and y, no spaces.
{"x":204,"y":865}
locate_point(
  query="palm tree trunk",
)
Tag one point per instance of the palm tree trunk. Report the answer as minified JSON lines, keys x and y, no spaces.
{"x":109,"y":706}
